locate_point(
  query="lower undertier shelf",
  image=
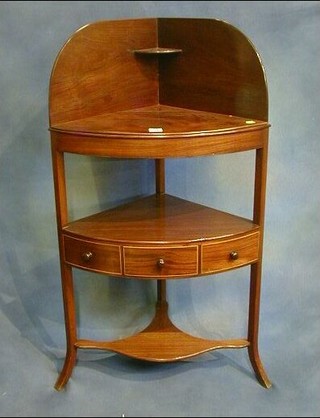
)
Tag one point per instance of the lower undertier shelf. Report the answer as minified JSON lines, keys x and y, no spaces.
{"x":162,"y":341}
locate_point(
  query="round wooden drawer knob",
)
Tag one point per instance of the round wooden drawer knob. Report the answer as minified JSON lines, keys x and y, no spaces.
{"x":234,"y":255}
{"x":87,"y":256}
{"x":160,"y":262}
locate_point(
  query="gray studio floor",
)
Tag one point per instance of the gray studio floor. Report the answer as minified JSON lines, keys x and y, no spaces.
{"x":214,"y":384}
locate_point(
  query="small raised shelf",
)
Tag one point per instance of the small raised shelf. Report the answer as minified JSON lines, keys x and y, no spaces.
{"x":210,"y":100}
{"x":157,"y":51}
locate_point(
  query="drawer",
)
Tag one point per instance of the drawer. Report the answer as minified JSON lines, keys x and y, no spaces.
{"x":104,"y":258}
{"x":229,"y":254}
{"x":164,"y":262}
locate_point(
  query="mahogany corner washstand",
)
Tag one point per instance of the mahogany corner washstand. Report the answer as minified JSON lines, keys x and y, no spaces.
{"x":158,"y":88}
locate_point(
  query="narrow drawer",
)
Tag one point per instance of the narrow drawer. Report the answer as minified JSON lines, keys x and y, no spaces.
{"x":229,"y":254}
{"x":164,"y":262}
{"x":104,"y":258}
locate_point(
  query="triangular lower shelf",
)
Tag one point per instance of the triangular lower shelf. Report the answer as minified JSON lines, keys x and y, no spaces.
{"x":162,"y":341}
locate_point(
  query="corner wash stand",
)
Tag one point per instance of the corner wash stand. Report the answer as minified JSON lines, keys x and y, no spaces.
{"x":159,"y":88}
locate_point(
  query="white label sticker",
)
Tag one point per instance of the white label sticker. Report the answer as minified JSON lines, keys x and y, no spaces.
{"x":155,"y":130}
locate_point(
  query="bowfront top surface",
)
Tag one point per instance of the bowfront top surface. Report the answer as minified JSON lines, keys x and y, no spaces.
{"x":158,"y":121}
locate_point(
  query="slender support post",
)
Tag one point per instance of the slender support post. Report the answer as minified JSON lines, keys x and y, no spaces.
{"x":160,"y":189}
{"x":256,"y":269}
{"x":161,"y":291}
{"x":160,"y":175}
{"x":66,"y":271}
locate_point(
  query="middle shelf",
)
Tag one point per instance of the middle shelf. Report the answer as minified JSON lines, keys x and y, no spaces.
{"x":161,"y":236}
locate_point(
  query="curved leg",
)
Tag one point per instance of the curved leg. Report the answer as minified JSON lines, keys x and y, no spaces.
{"x":66,"y":371}
{"x":258,"y":367}
{"x":253,"y":327}
{"x":255,"y":277}
{"x":70,"y":324}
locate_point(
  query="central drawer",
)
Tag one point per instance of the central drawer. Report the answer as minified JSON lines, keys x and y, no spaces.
{"x":155,"y":262}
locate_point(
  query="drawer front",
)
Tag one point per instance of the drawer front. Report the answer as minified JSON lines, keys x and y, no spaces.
{"x":164,"y":262}
{"x":229,"y":254}
{"x":104,"y":258}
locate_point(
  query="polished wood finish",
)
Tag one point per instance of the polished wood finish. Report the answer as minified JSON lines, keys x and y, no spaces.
{"x":159,"y":219}
{"x":159,"y":121}
{"x":160,"y":146}
{"x":162,"y":341}
{"x":157,"y":51}
{"x":256,"y":268}
{"x":96,"y":71}
{"x":219,"y":70}
{"x":231,"y":253}
{"x":164,"y":262}
{"x":160,"y":176}
{"x":147,"y":230}
{"x":159,"y":88}
{"x":88,"y":255}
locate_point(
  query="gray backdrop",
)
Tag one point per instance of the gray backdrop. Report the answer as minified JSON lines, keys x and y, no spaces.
{"x":221,"y":383}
